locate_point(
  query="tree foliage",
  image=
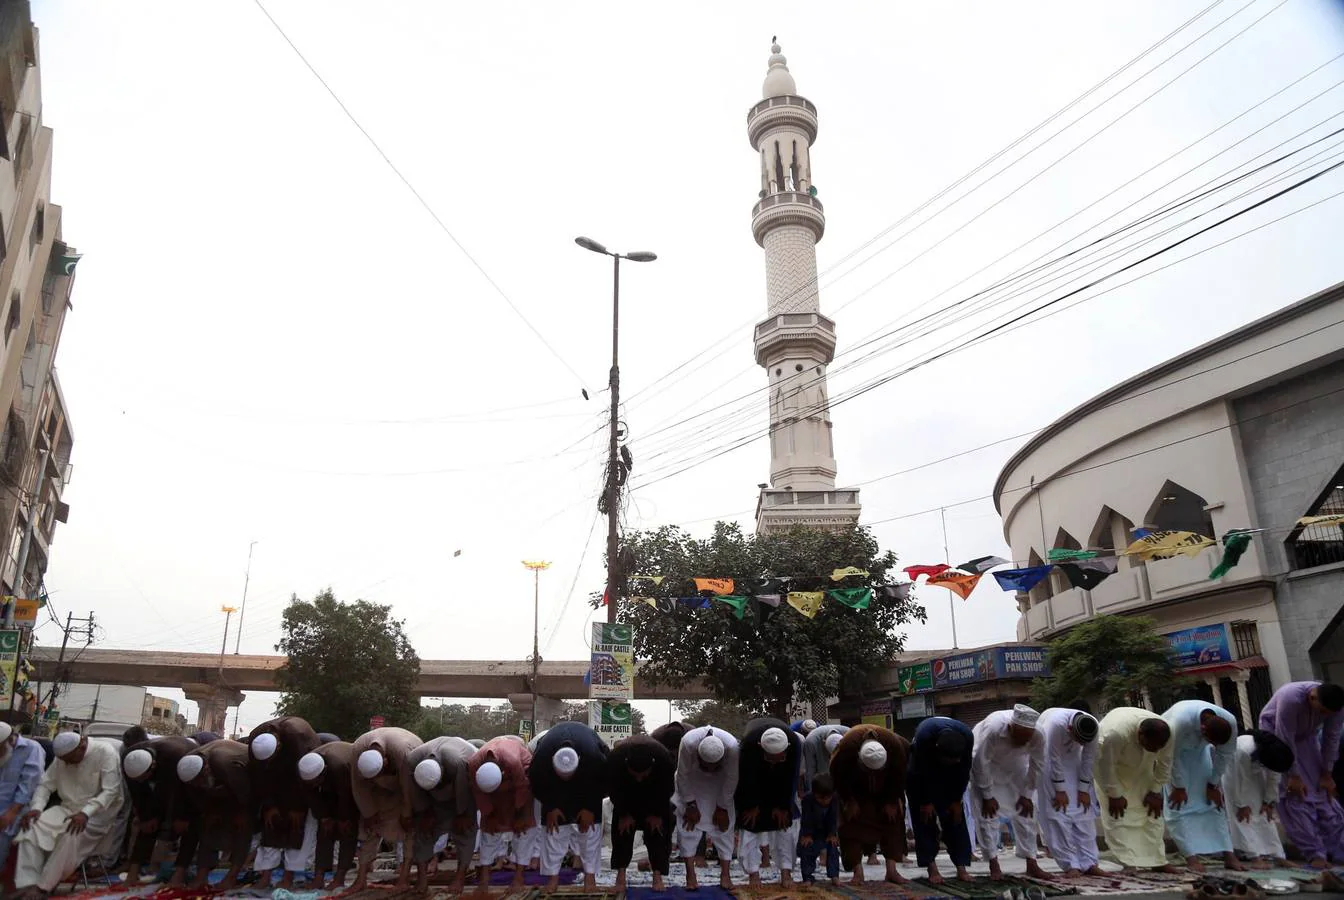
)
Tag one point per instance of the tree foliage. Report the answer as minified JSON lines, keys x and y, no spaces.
{"x":347,"y":663}
{"x":1107,"y":662}
{"x":731,"y":717}
{"x":773,"y":655}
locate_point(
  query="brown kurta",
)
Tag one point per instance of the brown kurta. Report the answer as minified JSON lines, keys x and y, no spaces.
{"x":384,"y":799}
{"x":276,"y":784}
{"x":222,"y":796}
{"x":855,"y":783}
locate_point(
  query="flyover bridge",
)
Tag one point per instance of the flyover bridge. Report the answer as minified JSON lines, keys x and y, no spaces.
{"x":216,"y":683}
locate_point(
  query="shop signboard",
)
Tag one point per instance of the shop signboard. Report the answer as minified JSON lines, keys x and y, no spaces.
{"x":611,"y":719}
{"x":915,"y":679}
{"x":919,"y":706}
{"x":1201,"y":646}
{"x":1021,"y":662}
{"x":963,"y":668}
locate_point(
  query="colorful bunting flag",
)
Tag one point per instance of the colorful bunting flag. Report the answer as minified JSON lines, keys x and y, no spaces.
{"x":695,"y":602}
{"x":842,"y":574}
{"x":1169,"y":544}
{"x":739,"y":604}
{"x":982,"y":564}
{"x":915,"y":571}
{"x":896,"y":591}
{"x":656,"y":579}
{"x":1329,"y":519}
{"x":714,"y":585}
{"x":65,"y":263}
{"x":854,"y":598}
{"x":806,"y":602}
{"x":1088,"y":573}
{"x":959,"y":583}
{"x":1064,"y":554}
{"x":1022,"y":580}
{"x":1140,"y":532}
{"x":769,"y":599}
{"x":1235,"y":543}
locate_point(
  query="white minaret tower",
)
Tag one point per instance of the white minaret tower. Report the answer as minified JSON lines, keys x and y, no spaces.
{"x":795,"y":342}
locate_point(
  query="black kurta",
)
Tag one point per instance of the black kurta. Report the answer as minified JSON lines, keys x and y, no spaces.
{"x":331,"y":799}
{"x":586,"y":788}
{"x":163,"y":798}
{"x":765,"y":786}
{"x":276,"y":784}
{"x":224,"y":801}
{"x":641,"y":800}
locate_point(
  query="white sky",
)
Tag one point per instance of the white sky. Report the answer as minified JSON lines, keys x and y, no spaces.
{"x":271,"y":340}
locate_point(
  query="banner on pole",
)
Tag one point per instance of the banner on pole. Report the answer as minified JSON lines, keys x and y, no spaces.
{"x":611,"y":719}
{"x":9,"y":663}
{"x":611,"y":672}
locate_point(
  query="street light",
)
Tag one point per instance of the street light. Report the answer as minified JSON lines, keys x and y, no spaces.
{"x":612,"y":488}
{"x":536,"y":566}
{"x":228,"y":612}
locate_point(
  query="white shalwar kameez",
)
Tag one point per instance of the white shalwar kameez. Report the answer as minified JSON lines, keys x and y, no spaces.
{"x":47,"y":854}
{"x":1003,"y":772}
{"x":1247,"y":783}
{"x":707,"y":790}
{"x":1071,"y":834}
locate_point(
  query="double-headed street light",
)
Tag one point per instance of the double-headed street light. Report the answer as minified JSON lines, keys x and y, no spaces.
{"x":614,"y":384}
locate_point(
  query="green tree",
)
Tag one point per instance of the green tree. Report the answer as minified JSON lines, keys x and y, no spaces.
{"x":772,"y":655}
{"x":347,"y":662}
{"x":731,"y":717}
{"x":1107,"y":662}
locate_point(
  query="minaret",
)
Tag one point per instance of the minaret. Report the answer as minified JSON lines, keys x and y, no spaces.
{"x":795,"y":342}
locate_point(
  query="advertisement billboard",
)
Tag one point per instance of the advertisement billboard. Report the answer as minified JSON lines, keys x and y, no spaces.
{"x":612,"y":665}
{"x":915,"y":679}
{"x":1201,"y":646}
{"x":1020,"y":662}
{"x":963,"y":668}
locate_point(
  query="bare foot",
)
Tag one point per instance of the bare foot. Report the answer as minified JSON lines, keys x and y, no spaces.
{"x":1168,"y":869}
{"x":1231,"y":862}
{"x":620,"y":881}
{"x":179,"y":878}
{"x":785,"y":879}
{"x":287,"y":880}
{"x":589,"y":883}
{"x":725,"y":880}
{"x":1261,"y":863}
{"x":517,"y":883}
{"x":1319,"y":862}
{"x":264,"y":882}
{"x":935,"y":877}
{"x":422,"y":880}
{"x":337,"y":880}
{"x":963,"y":875}
{"x":552,"y":884}
{"x":658,"y":882}
{"x":229,"y":883}
{"x":360,"y":884}
{"x":872,"y":860}
{"x":1194,"y":865}
{"x":1034,"y":870}
{"x":692,"y":881}
{"x":858,"y":875}
{"x":754,"y":880}
{"x":1073,"y":873}
{"x":1094,"y":870}
{"x":995,"y":870}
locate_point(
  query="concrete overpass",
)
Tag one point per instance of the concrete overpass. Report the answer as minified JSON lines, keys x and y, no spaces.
{"x":215,"y":687}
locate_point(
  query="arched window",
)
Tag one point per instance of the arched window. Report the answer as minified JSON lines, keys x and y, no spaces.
{"x":1063,"y":541}
{"x":1111,"y":531}
{"x":1177,"y":509}
{"x":1042,"y":591}
{"x":1322,"y":543}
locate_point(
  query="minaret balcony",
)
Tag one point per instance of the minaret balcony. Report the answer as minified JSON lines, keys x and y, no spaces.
{"x":789,"y":111}
{"x":787,"y":208}
{"x":794,"y":334}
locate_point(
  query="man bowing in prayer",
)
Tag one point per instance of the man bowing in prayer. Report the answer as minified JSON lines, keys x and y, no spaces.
{"x":327,"y":776}
{"x":504,"y":797}
{"x":1006,"y":768}
{"x":22,"y":762}
{"x":381,"y":795}
{"x":766,"y":798}
{"x":87,"y":776}
{"x":868,"y":770}
{"x":1064,"y":799}
{"x":288,"y":833}
{"x":935,"y":782}
{"x":818,"y":746}
{"x":220,"y":793}
{"x":442,"y":803}
{"x":1201,"y":752}
{"x":707,"y":773}
{"x":1251,"y":790}
{"x":640,"y":781}
{"x":1133,"y":766}
{"x":161,"y":804}
{"x":1309,"y":716}
{"x":568,"y":778}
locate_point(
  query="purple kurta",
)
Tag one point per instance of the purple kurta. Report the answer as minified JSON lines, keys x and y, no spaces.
{"x":1314,"y":823}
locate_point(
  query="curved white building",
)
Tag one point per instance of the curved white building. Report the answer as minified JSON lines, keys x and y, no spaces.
{"x":1246,"y":431}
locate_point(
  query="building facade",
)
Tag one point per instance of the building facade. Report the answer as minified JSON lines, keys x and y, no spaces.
{"x":795,"y":342}
{"x":36,"y":277}
{"x":1246,"y":431}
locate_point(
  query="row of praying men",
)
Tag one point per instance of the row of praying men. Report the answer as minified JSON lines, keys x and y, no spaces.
{"x":787,"y":793}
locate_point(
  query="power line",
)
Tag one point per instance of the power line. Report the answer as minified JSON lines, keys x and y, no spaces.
{"x":418,"y":196}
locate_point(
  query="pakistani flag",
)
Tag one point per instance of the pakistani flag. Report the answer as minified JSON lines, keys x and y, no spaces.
{"x":854,"y":598}
{"x":1088,"y":573}
{"x":739,"y":604}
{"x":65,"y":263}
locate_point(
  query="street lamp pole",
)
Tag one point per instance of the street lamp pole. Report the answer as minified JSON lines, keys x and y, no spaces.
{"x":613,"y":490}
{"x":228,"y":612}
{"x":536,"y":566}
{"x":242,"y":610}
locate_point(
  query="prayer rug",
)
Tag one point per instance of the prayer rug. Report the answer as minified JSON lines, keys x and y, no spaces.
{"x":880,"y":888}
{"x":982,"y":888}
{"x":504,"y":877}
{"x":705,"y":892}
{"x":775,"y":892}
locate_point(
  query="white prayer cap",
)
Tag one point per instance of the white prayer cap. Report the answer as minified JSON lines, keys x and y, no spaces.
{"x":873,"y":755}
{"x":809,"y":725}
{"x":565,"y":761}
{"x":774,"y":741}
{"x":1024,"y":715}
{"x":711,"y":749}
{"x":5,"y":731}
{"x":833,"y":741}
{"x":311,"y":765}
{"x":370,"y":763}
{"x":189,"y":766}
{"x":137,"y":763}
{"x":66,"y":742}
{"x":488,"y":777}
{"x":428,"y":774}
{"x":264,"y":746}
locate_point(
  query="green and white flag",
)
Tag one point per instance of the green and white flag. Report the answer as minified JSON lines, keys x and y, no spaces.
{"x":65,"y":263}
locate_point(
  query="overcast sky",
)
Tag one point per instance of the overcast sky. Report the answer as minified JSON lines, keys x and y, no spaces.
{"x":272,"y":340}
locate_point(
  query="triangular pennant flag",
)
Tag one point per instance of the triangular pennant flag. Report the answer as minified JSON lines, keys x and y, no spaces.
{"x":1169,"y":544}
{"x":1022,"y":580}
{"x":695,"y":602}
{"x":656,"y":579}
{"x":771,"y":586}
{"x":649,"y":600}
{"x":842,"y":574}
{"x":714,"y":585}
{"x":768,"y":599}
{"x":1235,"y":543}
{"x":739,"y":604}
{"x":1329,"y":519}
{"x":982,"y":564}
{"x":1140,"y":532}
{"x":1064,"y":554}
{"x":806,"y":602}
{"x":959,"y":583}
{"x":854,"y":598}
{"x":896,"y":591}
{"x":1088,"y":573}
{"x":915,"y":571}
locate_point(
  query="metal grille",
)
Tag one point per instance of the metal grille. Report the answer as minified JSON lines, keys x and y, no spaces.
{"x":1322,"y":544}
{"x":1246,"y":637}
